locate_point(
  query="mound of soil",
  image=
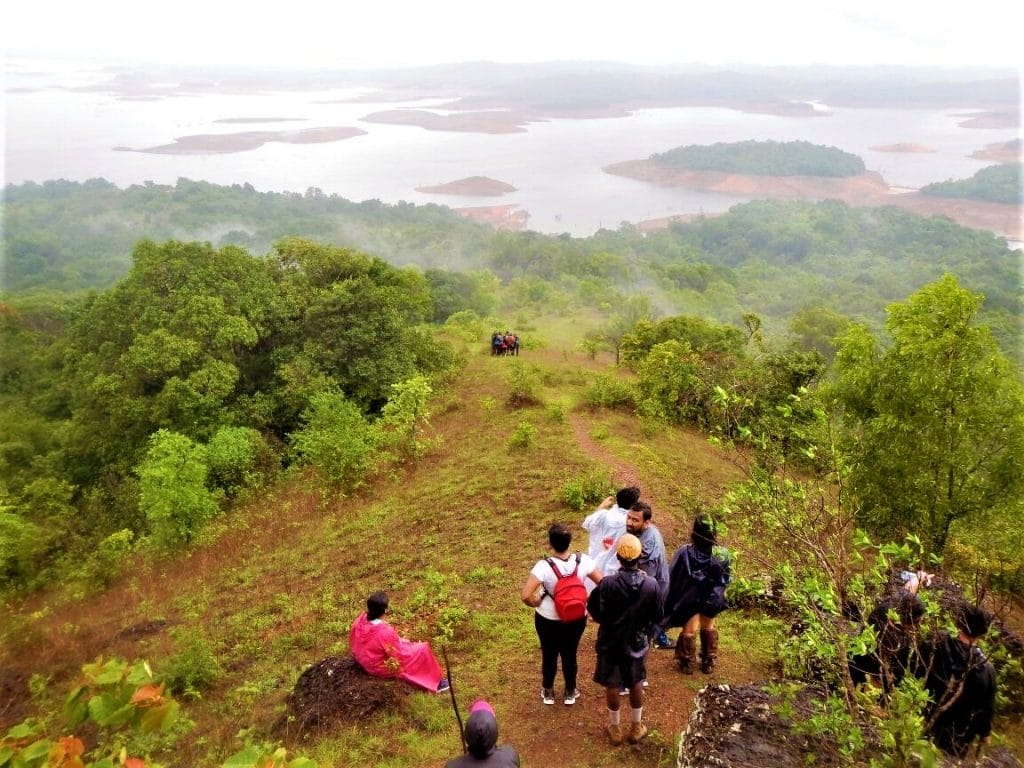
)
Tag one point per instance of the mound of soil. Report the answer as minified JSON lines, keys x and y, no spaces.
{"x":337,"y":690}
{"x":737,"y":727}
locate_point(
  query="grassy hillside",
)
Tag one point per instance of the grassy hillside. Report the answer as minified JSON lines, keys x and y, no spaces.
{"x":451,"y":537}
{"x":277,"y":588}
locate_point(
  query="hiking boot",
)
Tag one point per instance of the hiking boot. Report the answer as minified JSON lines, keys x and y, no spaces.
{"x":614,"y":734}
{"x":547,"y":695}
{"x":571,"y":696}
{"x":443,"y":686}
{"x":637,"y":732}
{"x":686,"y":653}
{"x":662,"y":643}
{"x":708,"y":650}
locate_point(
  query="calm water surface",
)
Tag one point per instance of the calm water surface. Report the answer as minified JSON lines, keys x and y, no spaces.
{"x":53,"y":132}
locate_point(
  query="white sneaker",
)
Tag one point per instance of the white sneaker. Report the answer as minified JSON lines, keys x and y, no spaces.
{"x":547,"y":695}
{"x":571,"y":696}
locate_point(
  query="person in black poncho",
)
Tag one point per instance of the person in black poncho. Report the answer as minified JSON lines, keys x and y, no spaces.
{"x":696,"y":595}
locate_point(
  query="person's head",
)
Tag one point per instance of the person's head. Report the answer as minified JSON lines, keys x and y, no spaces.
{"x":638,"y":517}
{"x":910,"y":610}
{"x":627,"y":497}
{"x":481,"y":730}
{"x":376,"y":605}
{"x":972,"y":620}
{"x":559,"y":537}
{"x":628,"y":551}
{"x":704,"y":536}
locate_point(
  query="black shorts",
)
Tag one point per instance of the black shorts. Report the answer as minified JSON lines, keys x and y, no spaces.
{"x":616,"y":670}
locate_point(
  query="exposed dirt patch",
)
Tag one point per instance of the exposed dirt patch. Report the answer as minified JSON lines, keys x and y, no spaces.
{"x":472,"y":186}
{"x":510,"y":218}
{"x":737,"y":726}
{"x":337,"y":690}
{"x":142,"y":629}
{"x":14,"y":696}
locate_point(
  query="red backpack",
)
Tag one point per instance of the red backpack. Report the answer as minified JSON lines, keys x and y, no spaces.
{"x":570,"y":594}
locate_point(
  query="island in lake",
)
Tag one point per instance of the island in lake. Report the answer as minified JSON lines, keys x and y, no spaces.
{"x":472,"y":186}
{"x":226,"y":143}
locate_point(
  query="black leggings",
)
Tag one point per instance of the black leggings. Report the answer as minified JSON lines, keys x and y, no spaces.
{"x":558,"y":638}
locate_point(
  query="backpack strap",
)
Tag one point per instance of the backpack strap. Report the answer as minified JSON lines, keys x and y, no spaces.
{"x":574,"y":570}
{"x":558,"y":574}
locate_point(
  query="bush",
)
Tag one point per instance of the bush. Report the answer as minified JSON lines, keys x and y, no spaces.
{"x":608,"y":391}
{"x":522,"y":436}
{"x":194,"y":667}
{"x":585,"y":491}
{"x":524,"y":384}
{"x":336,"y":439}
{"x":231,"y":456}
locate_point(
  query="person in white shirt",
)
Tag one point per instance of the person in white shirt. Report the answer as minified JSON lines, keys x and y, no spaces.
{"x":605,"y":525}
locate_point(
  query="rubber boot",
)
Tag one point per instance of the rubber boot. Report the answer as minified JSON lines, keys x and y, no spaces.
{"x":708,"y":649}
{"x":686,"y":653}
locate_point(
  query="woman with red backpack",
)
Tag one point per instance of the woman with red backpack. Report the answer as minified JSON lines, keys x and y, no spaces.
{"x":555,"y":589}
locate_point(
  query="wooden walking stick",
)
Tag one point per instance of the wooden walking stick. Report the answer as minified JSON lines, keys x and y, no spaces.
{"x":451,"y":690}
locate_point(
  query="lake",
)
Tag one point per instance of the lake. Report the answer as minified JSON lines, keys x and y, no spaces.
{"x":54,"y":131}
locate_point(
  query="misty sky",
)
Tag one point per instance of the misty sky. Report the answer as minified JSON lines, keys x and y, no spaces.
{"x":302,"y":33}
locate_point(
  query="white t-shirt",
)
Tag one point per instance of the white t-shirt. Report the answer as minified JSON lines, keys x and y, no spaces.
{"x":547,"y":578}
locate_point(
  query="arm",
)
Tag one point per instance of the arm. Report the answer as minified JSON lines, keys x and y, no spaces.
{"x":596,"y":575}
{"x":529,"y":594}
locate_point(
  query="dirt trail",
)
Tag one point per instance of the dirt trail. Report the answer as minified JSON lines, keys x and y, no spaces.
{"x":574,"y":735}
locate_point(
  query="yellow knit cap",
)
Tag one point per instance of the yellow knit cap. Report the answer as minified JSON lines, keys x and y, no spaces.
{"x":629,"y":547}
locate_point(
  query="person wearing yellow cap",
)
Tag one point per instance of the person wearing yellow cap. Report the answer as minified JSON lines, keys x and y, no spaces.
{"x":626,"y":605}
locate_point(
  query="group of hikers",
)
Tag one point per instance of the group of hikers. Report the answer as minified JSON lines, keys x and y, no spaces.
{"x":506,"y":343}
{"x":625,"y":583}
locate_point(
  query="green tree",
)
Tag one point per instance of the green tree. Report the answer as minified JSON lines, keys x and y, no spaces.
{"x":172,"y":488}
{"x":336,"y":440}
{"x":936,"y":418}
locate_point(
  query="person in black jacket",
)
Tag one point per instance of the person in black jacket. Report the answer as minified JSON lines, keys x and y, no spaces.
{"x":627,"y":606}
{"x":481,"y":736}
{"x":961,"y":684}
{"x":696,"y":595}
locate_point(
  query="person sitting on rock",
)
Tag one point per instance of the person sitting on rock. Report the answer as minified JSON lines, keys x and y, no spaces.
{"x":481,"y":737}
{"x":382,"y":653}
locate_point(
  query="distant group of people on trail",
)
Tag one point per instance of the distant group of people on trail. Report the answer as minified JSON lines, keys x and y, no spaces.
{"x":625,"y":584}
{"x":506,"y":343}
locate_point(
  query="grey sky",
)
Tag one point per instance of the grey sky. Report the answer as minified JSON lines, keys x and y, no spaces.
{"x":382,"y":32}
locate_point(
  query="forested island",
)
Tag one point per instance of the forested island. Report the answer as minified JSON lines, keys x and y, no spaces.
{"x":764,"y":158}
{"x":996,"y":184}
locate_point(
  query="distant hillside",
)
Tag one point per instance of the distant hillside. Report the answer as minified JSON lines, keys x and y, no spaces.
{"x":996,"y":184}
{"x":764,"y":158}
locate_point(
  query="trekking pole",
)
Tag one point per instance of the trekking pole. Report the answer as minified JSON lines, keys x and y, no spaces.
{"x":451,"y":690}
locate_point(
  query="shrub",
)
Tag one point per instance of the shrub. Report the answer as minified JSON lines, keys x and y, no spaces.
{"x":194,"y":667}
{"x":336,"y":439}
{"x":586,"y":490}
{"x":231,"y":456}
{"x":608,"y":391}
{"x":522,"y":436}
{"x":524,"y":384}
{"x":172,"y":488}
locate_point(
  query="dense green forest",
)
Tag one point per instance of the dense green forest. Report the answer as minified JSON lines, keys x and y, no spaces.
{"x":764,"y":158}
{"x":996,"y":184}
{"x":777,"y":259}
